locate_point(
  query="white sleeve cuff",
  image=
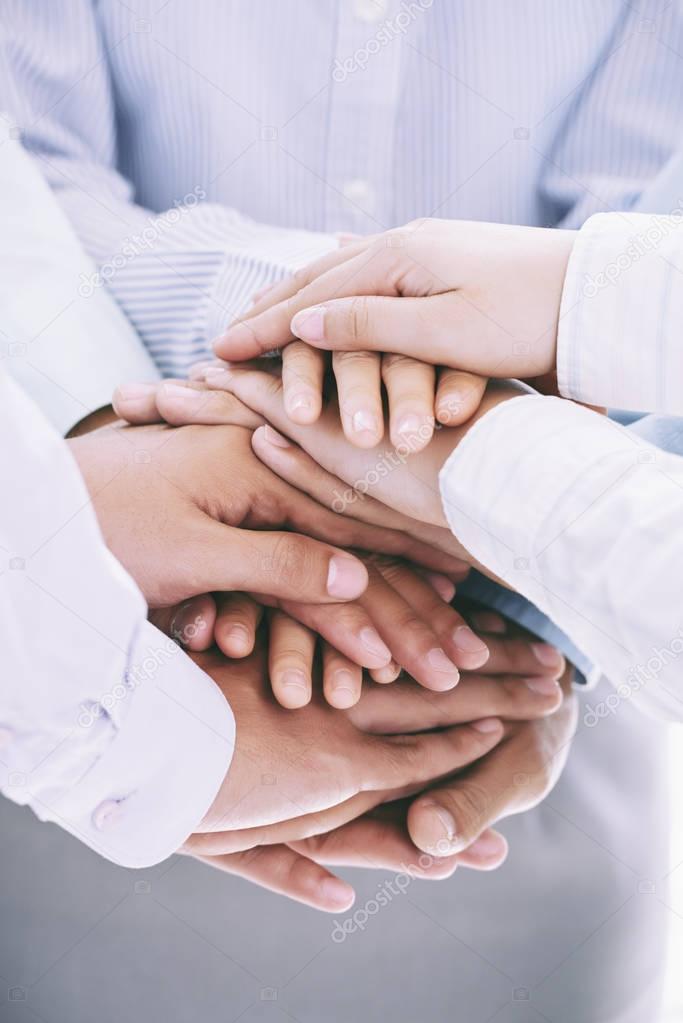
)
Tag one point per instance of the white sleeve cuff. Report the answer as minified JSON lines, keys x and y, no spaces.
{"x":514,"y":479}
{"x":619,"y":334}
{"x":161,"y":768}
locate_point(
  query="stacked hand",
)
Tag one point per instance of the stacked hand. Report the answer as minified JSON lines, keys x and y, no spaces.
{"x":446,"y":303}
{"x":526,"y":752}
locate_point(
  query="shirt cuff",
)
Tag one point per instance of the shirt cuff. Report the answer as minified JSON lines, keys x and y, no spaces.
{"x":159,"y":767}
{"x":523,"y":471}
{"x":618,"y":341}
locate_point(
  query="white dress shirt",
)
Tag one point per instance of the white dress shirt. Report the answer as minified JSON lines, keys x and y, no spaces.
{"x":107,"y":728}
{"x":579,"y":514}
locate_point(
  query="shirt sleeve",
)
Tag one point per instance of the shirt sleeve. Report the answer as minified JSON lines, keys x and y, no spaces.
{"x":180,"y":274}
{"x":620,"y":330}
{"x":581,"y":516}
{"x":107,"y":728}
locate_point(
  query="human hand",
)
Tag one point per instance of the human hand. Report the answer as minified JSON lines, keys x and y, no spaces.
{"x":407,"y":483}
{"x":190,"y":511}
{"x":479,"y":299}
{"x":317,"y":759}
{"x":518,"y":685}
{"x":403,"y":621}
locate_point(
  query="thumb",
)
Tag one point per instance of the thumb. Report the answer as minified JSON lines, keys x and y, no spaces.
{"x":417,"y":327}
{"x":285,"y":565}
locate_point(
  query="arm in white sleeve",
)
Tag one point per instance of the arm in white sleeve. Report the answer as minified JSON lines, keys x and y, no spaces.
{"x":620,"y":333}
{"x":180,"y":275}
{"x":583,"y":518}
{"x":107,"y":728}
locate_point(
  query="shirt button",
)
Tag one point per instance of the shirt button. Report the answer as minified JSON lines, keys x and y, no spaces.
{"x":370,"y":10}
{"x":360,"y":192}
{"x":6,"y":736}
{"x":106,"y":814}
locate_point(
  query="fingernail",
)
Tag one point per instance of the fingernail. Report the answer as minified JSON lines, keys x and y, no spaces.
{"x":185,"y":395}
{"x":467,"y":640}
{"x":364,"y":422}
{"x":309,"y":324}
{"x":135,"y":392}
{"x":548,"y":656}
{"x":440,"y":660}
{"x":217,"y":375}
{"x":486,"y":725}
{"x":239,"y":333}
{"x":181,"y":622}
{"x":346,"y":577}
{"x":337,"y":892}
{"x":410,"y":424}
{"x":543,"y":685}
{"x":296,"y":685}
{"x":374,"y":644}
{"x":344,"y":689}
{"x":273,"y":437}
{"x":487,"y":845}
{"x":387,"y":673}
{"x":444,"y":817}
{"x":297,"y":401}
{"x":240,"y":635}
{"x":443,"y":586}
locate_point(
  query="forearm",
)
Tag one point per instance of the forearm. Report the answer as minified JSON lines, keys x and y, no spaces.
{"x":581,"y":518}
{"x":96,"y":703}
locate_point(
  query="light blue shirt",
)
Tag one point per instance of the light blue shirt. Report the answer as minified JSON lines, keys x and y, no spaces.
{"x":202,"y":149}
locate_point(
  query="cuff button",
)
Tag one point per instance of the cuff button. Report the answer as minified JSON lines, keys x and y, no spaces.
{"x":106,"y":814}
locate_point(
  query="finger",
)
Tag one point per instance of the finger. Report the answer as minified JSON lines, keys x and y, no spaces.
{"x":285,"y":565}
{"x":449,"y":817}
{"x":303,"y":369}
{"x":267,"y":325}
{"x":183,"y":403}
{"x":410,"y":391}
{"x":136,"y":403}
{"x":372,"y":842}
{"x":286,"y":872}
{"x":488,"y":852}
{"x":441,"y":584}
{"x":410,"y":708}
{"x":458,"y":396}
{"x":291,"y":647}
{"x":400,"y":760}
{"x":360,"y":400}
{"x":236,"y":623}
{"x":465,"y":648}
{"x":347,"y":627}
{"x":517,"y":656}
{"x":297,"y":468}
{"x":488,"y":621}
{"x":191,"y":624}
{"x":387,"y":674}
{"x":342,"y":679}
{"x":413,"y":642}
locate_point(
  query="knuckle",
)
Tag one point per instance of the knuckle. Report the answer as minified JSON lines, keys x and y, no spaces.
{"x":292,"y":562}
{"x":357,"y":319}
{"x":471,"y":805}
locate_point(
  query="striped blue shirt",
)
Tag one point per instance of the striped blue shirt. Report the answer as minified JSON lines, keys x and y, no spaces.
{"x":202,"y":149}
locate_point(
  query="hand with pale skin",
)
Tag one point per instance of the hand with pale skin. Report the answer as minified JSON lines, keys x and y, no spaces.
{"x":478,"y":300}
{"x":403,"y":621}
{"x":298,"y":769}
{"x":404,"y":481}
